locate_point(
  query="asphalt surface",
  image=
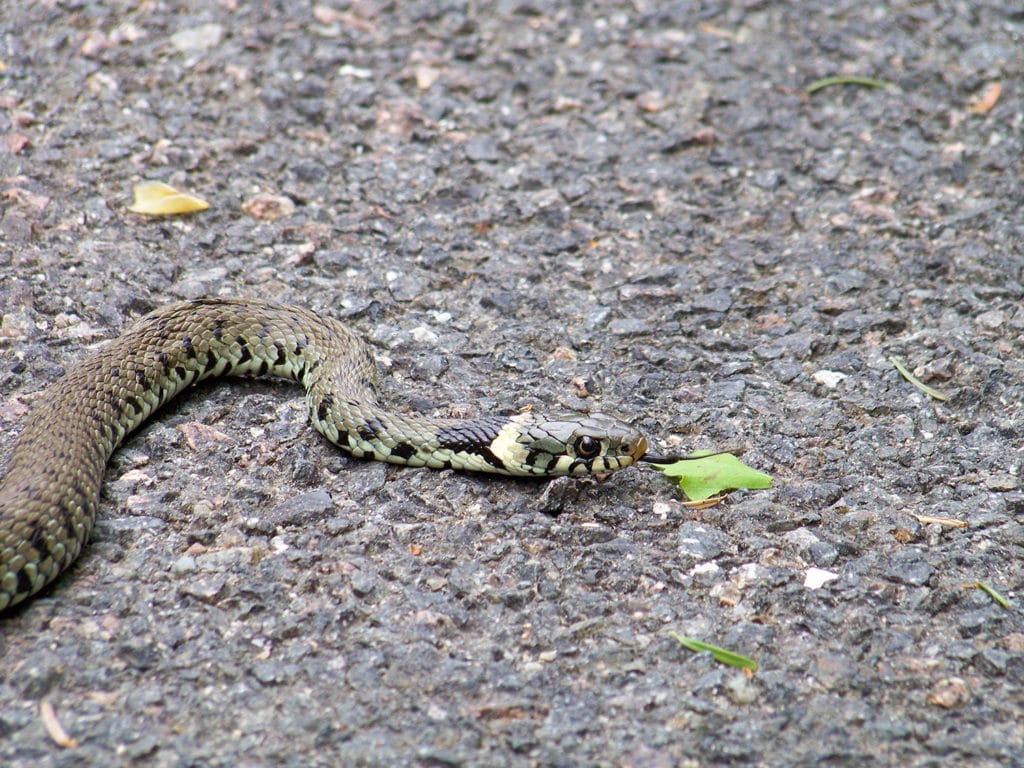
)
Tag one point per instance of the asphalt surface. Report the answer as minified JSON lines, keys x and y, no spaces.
{"x":635,"y":208}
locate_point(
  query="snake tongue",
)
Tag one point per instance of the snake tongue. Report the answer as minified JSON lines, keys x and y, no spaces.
{"x":657,"y":458}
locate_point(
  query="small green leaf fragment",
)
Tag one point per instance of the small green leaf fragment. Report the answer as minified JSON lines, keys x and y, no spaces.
{"x":827,"y":82}
{"x":906,"y":374}
{"x":702,"y":478}
{"x":993,"y":594}
{"x":720,"y":655}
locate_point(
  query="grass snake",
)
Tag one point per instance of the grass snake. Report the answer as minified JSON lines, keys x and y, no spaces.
{"x":49,"y":496}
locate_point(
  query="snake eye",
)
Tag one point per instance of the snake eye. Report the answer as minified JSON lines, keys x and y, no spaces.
{"x":587,"y":447}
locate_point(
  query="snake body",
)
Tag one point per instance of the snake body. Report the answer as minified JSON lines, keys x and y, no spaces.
{"x":50,"y":494}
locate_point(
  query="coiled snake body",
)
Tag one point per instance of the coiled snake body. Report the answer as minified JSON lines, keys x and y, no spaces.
{"x":49,"y":496}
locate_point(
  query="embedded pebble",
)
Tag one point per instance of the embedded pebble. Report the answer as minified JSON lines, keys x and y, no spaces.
{"x":197,"y":39}
{"x":829,"y":379}
{"x":302,"y":509}
{"x":816,"y":578}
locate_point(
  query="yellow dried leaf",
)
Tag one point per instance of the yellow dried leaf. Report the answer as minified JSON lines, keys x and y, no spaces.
{"x":986,"y":100}
{"x":154,"y":198}
{"x":426,"y":76}
{"x":54,"y":728}
{"x":946,"y":521}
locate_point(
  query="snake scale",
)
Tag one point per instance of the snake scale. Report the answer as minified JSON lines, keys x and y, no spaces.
{"x":50,"y":494}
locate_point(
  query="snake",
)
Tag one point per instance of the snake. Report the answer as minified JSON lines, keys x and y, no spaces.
{"x":51,"y":490}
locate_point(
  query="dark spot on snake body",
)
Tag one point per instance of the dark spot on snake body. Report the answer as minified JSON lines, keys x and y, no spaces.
{"x":264,"y":367}
{"x":140,"y":376}
{"x":538,"y":459}
{"x":114,"y":373}
{"x":38,"y":540}
{"x":244,"y":355}
{"x":218,"y":330}
{"x":403,"y":451}
{"x":164,"y":360}
{"x":577,"y":463}
{"x":471,"y":437}
{"x":24,"y":582}
{"x":300,"y":344}
{"x":490,"y":458}
{"x":180,"y":372}
{"x":190,"y":350}
{"x":282,"y":356}
{"x":366,"y":432}
{"x":211,"y":363}
{"x":325,"y":405}
{"x":134,"y":404}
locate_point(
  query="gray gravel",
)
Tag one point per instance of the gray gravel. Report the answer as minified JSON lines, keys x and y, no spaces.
{"x":632,"y":207}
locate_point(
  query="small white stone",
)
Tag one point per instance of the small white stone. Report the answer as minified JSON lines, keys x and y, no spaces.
{"x":740,"y":689}
{"x":702,"y":568}
{"x":816,"y":578}
{"x":749,"y":573}
{"x":828,"y":379}
{"x":184,"y":564}
{"x":359,"y":73}
{"x":992,"y":319}
{"x":801,"y":538}
{"x":423,"y":335}
{"x":201,"y":38}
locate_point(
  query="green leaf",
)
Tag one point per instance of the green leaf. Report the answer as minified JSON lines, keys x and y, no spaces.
{"x":906,"y":374}
{"x":702,"y":478}
{"x":992,"y":593}
{"x":827,"y":82}
{"x":720,"y":654}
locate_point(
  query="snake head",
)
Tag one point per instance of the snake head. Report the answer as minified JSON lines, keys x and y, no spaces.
{"x":571,"y":444}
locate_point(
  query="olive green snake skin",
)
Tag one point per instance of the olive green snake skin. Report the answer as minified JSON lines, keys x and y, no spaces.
{"x":50,"y":494}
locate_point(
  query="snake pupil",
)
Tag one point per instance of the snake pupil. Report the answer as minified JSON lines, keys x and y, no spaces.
{"x":587,"y":447}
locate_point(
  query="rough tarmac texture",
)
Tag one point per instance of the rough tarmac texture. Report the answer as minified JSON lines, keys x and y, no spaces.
{"x":627,"y":206}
